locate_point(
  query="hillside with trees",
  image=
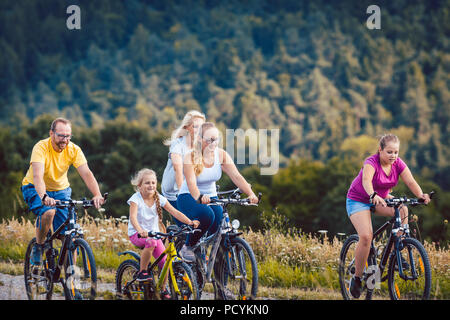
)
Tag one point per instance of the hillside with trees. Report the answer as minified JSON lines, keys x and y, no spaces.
{"x":309,"y":68}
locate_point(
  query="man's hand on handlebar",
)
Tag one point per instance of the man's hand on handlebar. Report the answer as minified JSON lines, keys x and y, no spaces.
{"x":49,"y":202}
{"x":98,"y":201}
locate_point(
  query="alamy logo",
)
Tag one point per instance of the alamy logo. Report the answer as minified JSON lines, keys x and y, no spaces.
{"x":74,"y":20}
{"x":259,"y":144}
{"x":374,"y":20}
{"x":374,"y":279}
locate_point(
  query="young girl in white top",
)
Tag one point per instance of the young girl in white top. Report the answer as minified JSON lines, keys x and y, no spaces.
{"x":146,"y":215}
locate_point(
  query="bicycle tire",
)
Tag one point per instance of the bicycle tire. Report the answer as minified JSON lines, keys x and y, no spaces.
{"x":81,"y":277}
{"x":185,"y":278}
{"x":239,"y":255}
{"x":424,"y":268}
{"x":126,"y":272}
{"x":347,"y":271}
{"x":33,"y":276}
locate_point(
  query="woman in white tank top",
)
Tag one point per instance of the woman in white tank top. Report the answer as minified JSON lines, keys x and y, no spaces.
{"x":202,"y":167}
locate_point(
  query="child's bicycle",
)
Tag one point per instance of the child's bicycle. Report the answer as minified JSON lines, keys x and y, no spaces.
{"x":182,"y":281}
{"x":409,"y":271}
{"x":75,"y":257}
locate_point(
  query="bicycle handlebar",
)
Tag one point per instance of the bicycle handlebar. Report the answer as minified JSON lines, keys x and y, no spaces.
{"x":185,"y":229}
{"x":234,"y":198}
{"x":404,"y":200}
{"x":84,"y":202}
{"x":234,"y":192}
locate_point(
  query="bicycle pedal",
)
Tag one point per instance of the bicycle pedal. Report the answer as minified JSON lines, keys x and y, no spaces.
{"x":146,"y":281}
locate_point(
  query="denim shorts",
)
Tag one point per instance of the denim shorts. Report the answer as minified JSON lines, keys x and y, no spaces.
{"x":354,"y":206}
{"x":36,"y":206}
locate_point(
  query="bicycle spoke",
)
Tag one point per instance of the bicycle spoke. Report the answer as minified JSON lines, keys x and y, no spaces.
{"x":81,"y":274}
{"x":185,"y":282}
{"x":38,"y":284}
{"x":126,"y":285}
{"x":415,"y":281}
{"x":238,"y":272}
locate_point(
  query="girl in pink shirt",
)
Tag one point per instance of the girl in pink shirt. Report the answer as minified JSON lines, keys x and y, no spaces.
{"x":377,"y":177}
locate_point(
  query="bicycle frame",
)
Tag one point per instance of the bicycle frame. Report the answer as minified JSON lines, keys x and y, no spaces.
{"x":171,"y":254}
{"x":214,"y":241}
{"x":394,"y":241}
{"x":67,"y":240}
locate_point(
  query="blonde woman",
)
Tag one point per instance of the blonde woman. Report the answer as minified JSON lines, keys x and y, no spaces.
{"x":202,"y":167}
{"x":180,"y":142}
{"x":146,"y":215}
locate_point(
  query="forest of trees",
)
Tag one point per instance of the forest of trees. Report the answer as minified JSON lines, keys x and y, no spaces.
{"x":310,"y":68}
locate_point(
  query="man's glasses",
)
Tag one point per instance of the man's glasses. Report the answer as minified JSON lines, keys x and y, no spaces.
{"x":62,"y":136}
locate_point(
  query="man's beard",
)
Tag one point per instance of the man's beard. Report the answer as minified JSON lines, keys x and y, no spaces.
{"x":61,"y":145}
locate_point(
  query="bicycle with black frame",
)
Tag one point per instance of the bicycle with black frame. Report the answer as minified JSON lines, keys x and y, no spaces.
{"x":408,"y":265}
{"x":226,"y":254}
{"x":75,"y":257}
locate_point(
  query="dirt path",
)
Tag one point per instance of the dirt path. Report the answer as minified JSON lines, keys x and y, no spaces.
{"x":13,"y":288}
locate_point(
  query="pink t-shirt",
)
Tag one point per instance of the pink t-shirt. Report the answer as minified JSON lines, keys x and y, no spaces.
{"x":381,"y":182}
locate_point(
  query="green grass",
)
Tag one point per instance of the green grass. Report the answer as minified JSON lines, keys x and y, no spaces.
{"x":291,"y":265}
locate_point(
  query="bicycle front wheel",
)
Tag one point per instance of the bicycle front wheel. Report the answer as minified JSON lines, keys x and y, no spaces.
{"x":81,"y":272}
{"x":38,"y":283}
{"x":415,"y":283}
{"x":237,"y":272}
{"x":186,"y":282}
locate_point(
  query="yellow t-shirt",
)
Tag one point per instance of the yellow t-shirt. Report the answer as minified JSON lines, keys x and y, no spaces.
{"x":56,"y":164}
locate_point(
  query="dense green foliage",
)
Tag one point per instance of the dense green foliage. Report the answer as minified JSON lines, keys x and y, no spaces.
{"x":311,"y":68}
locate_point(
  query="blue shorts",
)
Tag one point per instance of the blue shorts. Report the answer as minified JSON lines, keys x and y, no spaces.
{"x":354,"y":206}
{"x":210,"y":217}
{"x":35,"y":204}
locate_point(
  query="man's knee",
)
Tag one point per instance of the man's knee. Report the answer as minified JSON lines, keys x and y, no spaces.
{"x":49,"y":215}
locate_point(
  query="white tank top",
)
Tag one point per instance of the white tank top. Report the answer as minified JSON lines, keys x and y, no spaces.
{"x":206,"y":180}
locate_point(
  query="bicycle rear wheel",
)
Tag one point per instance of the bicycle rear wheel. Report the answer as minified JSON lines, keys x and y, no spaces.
{"x":237,"y":272}
{"x":416,"y":281}
{"x":126,"y":285}
{"x":81,"y":272}
{"x":38,"y":283}
{"x":347,"y":268}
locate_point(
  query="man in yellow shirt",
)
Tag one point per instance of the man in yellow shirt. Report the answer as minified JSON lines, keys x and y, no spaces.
{"x":46,"y":180}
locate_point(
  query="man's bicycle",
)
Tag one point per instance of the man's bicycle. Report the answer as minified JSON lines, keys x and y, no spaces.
{"x":75,"y":257}
{"x":408,"y":265}
{"x":226,"y":254}
{"x":182,"y":281}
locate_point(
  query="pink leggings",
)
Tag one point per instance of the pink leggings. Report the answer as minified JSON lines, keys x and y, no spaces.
{"x":150,"y":243}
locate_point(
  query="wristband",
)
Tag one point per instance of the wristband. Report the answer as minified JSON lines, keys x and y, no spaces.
{"x":43,"y":198}
{"x":199,"y":200}
{"x":372,"y":196}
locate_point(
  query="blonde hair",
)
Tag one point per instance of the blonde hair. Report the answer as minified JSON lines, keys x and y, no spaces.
{"x":197,"y":153}
{"x":136,"y":181}
{"x":181,"y":131}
